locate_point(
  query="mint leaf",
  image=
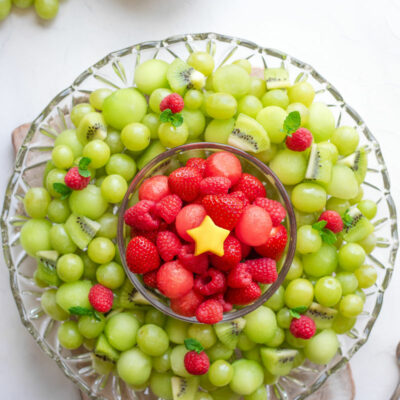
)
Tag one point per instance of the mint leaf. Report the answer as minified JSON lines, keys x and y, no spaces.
{"x":80,"y":311}
{"x":96,"y":316}
{"x":328,"y":236}
{"x":168,"y":116}
{"x":319,"y":225}
{"x":347,"y":219}
{"x":292,"y":122}
{"x":63,"y":189}
{"x":193,"y":344}
{"x":297,"y":311}
{"x":83,"y":167}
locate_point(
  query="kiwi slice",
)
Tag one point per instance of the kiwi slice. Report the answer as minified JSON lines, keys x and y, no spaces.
{"x":92,"y":126}
{"x":358,"y":162}
{"x":278,"y":361}
{"x":359,"y":226}
{"x":276,"y":78}
{"x":228,"y":332}
{"x":249,"y":135}
{"x":182,"y":76}
{"x":105,"y":351}
{"x":184,"y":388}
{"x":319,"y":167}
{"x":46,"y":267}
{"x":128,"y":297}
{"x":81,"y":229}
{"x":322,"y":316}
{"x":101,"y":364}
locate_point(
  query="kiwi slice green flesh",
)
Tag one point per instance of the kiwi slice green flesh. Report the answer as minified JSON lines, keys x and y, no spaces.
{"x":278,"y":361}
{"x":322,"y":316}
{"x":105,"y":351}
{"x":181,"y":77}
{"x":359,"y":228}
{"x":184,"y":388}
{"x":92,"y":126}
{"x":128,"y":297}
{"x":319,"y":167}
{"x":46,"y":267}
{"x":81,"y":229}
{"x":228,"y":332}
{"x":249,"y":135}
{"x":276,"y":78}
{"x":358,"y":162}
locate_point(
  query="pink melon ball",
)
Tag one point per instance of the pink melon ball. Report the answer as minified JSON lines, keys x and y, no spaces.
{"x":189,"y":217}
{"x":173,"y":280}
{"x":154,"y":188}
{"x":224,"y":164}
{"x":254,"y":226}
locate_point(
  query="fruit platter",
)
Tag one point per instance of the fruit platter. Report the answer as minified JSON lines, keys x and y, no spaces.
{"x":199,"y":218}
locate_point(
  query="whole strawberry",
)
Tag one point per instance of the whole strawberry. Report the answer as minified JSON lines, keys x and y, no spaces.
{"x":243,"y":296}
{"x":142,"y":255}
{"x":173,"y":101}
{"x":185,"y":182}
{"x":150,"y":278}
{"x":250,"y":186}
{"x":101,"y":298}
{"x":333,"y":220}
{"x":232,"y":255}
{"x":196,"y":360}
{"x":197,"y":163}
{"x":168,"y":245}
{"x":275,"y":209}
{"x":210,"y":312}
{"x":215,"y":185}
{"x":168,"y":208}
{"x":141,"y":216}
{"x":275,"y":244}
{"x":300,"y":140}
{"x":263,"y":270}
{"x":75,"y":180}
{"x":241,"y":196}
{"x":303,"y":327}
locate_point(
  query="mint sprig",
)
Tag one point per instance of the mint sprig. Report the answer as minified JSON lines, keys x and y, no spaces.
{"x":347,"y":219}
{"x":292,"y":123}
{"x":63,"y":189}
{"x":326,"y":234}
{"x":193,"y":344}
{"x":176,"y":119}
{"x":83,"y":167}
{"x":84,"y":311}
{"x":297,"y":311}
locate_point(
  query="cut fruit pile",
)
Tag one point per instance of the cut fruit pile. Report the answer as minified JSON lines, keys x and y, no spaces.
{"x":72,"y":230}
{"x":193,"y":231}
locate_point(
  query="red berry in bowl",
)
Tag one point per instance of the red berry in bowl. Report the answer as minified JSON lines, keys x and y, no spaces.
{"x":232,"y":255}
{"x":173,"y":280}
{"x":168,"y":208}
{"x":197,"y":163}
{"x":210,"y":312}
{"x":263,"y":270}
{"x":241,"y":196}
{"x":211,"y":282}
{"x":239,"y":276}
{"x":150,"y":279}
{"x":275,"y":244}
{"x":215,"y":185}
{"x":185,"y":182}
{"x":173,"y":101}
{"x":187,"y":304}
{"x":142,"y":255}
{"x":224,"y":164}
{"x":196,"y":264}
{"x":243,"y":296}
{"x":300,"y":140}
{"x":189,"y":217}
{"x":154,"y":188}
{"x":225,"y":305}
{"x":275,"y":209}
{"x":141,"y":216}
{"x":303,"y":327}
{"x":250,"y":186}
{"x":333,"y":220}
{"x":75,"y":180}
{"x":168,"y":245}
{"x":101,"y":298}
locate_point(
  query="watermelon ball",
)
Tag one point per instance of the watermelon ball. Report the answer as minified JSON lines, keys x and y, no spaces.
{"x":188,"y":218}
{"x":154,"y":188}
{"x":224,"y":164}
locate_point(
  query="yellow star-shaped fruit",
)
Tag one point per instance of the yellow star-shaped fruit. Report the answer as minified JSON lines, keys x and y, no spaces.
{"x":208,"y":237}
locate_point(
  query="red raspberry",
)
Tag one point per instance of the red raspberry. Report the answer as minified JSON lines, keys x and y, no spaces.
{"x":303,"y":327}
{"x":210,"y":312}
{"x":275,"y":209}
{"x":250,"y":186}
{"x":140,"y":216}
{"x":197,"y":264}
{"x":225,"y":305}
{"x":223,"y":209}
{"x":215,"y":185}
{"x":75,"y":180}
{"x":168,"y":208}
{"x":333,"y":220}
{"x":263,"y":270}
{"x":232,"y":255}
{"x":299,"y":140}
{"x":243,"y":296}
{"x":196,"y":360}
{"x":173,"y":101}
{"x":211,"y":282}
{"x":197,"y":163}
{"x":168,"y":245}
{"x":187,"y":304}
{"x":185,"y":182}
{"x":239,"y":276}
{"x":142,"y":255}
{"x":198,"y":200}
{"x":101,"y":298}
{"x":150,"y":235}
{"x":275,"y":244}
{"x":150,"y":279}
{"x":241,"y":196}
{"x":173,"y":280}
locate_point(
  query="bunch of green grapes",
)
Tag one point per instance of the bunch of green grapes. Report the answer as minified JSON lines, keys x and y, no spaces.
{"x":45,"y":9}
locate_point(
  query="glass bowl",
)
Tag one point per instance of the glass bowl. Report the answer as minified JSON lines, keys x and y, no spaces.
{"x":175,"y":158}
{"x":117,"y":70}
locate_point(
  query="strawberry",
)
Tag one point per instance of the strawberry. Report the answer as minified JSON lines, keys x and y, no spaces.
{"x":173,"y":101}
{"x":215,"y":185}
{"x":275,"y":209}
{"x":197,"y":264}
{"x":75,"y":180}
{"x":223,"y":209}
{"x":101,"y":298}
{"x":300,"y":140}
{"x":197,"y":163}
{"x":242,"y":296}
{"x":196,"y":360}
{"x":239,"y":276}
{"x":141,"y":216}
{"x":225,"y":305}
{"x":303,"y":327}
{"x":154,"y":188}
{"x":232,"y":255}
{"x":142,"y":255}
{"x":263,"y":270}
{"x":241,"y":196}
{"x":187,"y":305}
{"x":333,"y":220}
{"x":150,"y":279}
{"x":185,"y":182}
{"x":210,"y":312}
{"x":211,"y":282}
{"x":168,"y":208}
{"x":173,"y":280}
{"x":250,"y":186}
{"x":275,"y":244}
{"x":168,"y":245}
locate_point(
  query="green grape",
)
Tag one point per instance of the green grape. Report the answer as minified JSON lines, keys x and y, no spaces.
{"x":305,"y":218}
{"x":338,"y":205}
{"x":321,"y":263}
{"x":257,"y":87}
{"x":295,"y":270}
{"x":369,"y":243}
{"x":277,"y":300}
{"x":172,"y":136}
{"x":302,"y":109}
{"x":135,"y":136}
{"x":152,"y":121}
{"x":275,"y":97}
{"x":206,"y":94}
{"x":97,"y":97}
{"x":70,"y":267}
{"x":69,"y":138}
{"x":351,"y":305}
{"x":321,"y":122}
{"x":360,"y":293}
{"x":54,"y":176}
{"x":155,"y":317}
{"x":225,"y":393}
{"x":113,"y":140}
{"x":368,"y":208}
{"x":36,"y":202}
{"x":322,"y":347}
{"x":203,"y":396}
{"x":330,"y":149}
{"x":69,"y":336}
{"x":89,"y":267}
{"x":284,"y":318}
{"x":260,"y":394}
{"x":277,"y":339}
{"x":328,"y":291}
{"x":5,"y":8}
{"x":267,"y":155}
{"x":156,"y":98}
{"x":290,"y":166}
{"x":46,"y":9}
{"x":253,"y":354}
{"x":91,"y":327}
{"x":260,"y":325}
{"x":74,"y":294}
{"x":108,"y":226}
{"x":358,"y":197}
{"x":35,"y":236}
{"x":51,"y":308}
{"x":110,"y":275}
{"x":217,"y":131}
{"x":348,"y":282}
{"x":150,"y":75}
{"x":203,"y":333}
{"x":220,"y":373}
{"x":161,"y":386}
{"x":309,"y":197}
{"x":231,"y":79}
{"x":244,"y":343}
{"x":62,"y":156}
{"x":351,"y":256}
{"x":58,"y":211}
{"x":219,"y":352}
{"x":121,"y":164}
{"x":88,"y":202}
{"x":249,"y":105}
{"x":101,"y":250}
{"x":176,"y":330}
{"x":366,"y":276}
{"x":195,"y":121}
{"x":113,"y":188}
{"x":209,"y":84}
{"x":22,"y":3}
{"x":134,"y":367}
{"x":152,"y":340}
{"x":297,"y":343}
{"x":121,"y":330}
{"x":206,"y":384}
{"x":299,"y":292}
{"x":245,"y":64}
{"x":177,"y":361}
{"x":139,"y":314}
{"x":79,"y":111}
{"x":248,"y":375}
{"x":162,"y":363}
{"x":271,"y":118}
{"x":193,"y":99}
{"x":60,"y":240}
{"x":49,"y":166}
{"x":308,"y":240}
{"x":301,"y":92}
{"x":201,"y":61}
{"x":342,"y":324}
{"x":221,"y":105}
{"x":98,"y":152}
{"x":345,"y":139}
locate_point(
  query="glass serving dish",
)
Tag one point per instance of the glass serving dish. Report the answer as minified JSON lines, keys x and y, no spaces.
{"x":175,"y":158}
{"x":116,"y":70}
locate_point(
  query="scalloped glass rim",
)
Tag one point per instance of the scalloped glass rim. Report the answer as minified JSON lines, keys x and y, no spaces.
{"x":384,"y":190}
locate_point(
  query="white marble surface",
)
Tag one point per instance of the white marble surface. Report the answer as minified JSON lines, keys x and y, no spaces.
{"x":355,"y":44}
